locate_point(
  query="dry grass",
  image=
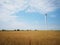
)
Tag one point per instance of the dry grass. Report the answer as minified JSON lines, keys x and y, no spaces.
{"x":30,"y":38}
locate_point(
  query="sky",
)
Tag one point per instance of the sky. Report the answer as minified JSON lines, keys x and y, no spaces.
{"x":30,"y":14}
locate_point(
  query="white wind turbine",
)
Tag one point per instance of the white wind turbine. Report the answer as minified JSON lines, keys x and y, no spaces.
{"x":46,"y":27}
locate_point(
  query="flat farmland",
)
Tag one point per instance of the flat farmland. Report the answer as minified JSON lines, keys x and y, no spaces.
{"x":30,"y":37}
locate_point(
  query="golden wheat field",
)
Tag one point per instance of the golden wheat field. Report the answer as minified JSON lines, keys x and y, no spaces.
{"x":29,"y":37}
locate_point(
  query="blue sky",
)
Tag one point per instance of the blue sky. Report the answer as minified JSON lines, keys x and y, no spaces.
{"x":29,"y":14}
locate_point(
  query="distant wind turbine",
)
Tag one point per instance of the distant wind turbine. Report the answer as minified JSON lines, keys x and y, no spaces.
{"x":46,"y":21}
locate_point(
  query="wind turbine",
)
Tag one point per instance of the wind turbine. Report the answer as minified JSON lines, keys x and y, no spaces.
{"x":46,"y":21}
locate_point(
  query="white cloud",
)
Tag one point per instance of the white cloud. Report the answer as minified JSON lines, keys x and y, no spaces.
{"x":44,"y":6}
{"x":13,"y":5}
{"x":30,"y":10}
{"x":7,"y":8}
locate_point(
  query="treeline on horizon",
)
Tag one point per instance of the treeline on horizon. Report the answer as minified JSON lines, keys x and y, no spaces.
{"x":26,"y":30}
{"x":18,"y":30}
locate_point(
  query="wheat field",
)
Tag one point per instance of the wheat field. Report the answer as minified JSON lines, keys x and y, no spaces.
{"x":29,"y":37}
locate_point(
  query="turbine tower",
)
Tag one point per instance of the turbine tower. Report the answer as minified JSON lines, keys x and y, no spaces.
{"x":46,"y":21}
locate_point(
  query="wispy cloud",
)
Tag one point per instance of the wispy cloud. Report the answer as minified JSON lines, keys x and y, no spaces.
{"x":44,"y":6}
